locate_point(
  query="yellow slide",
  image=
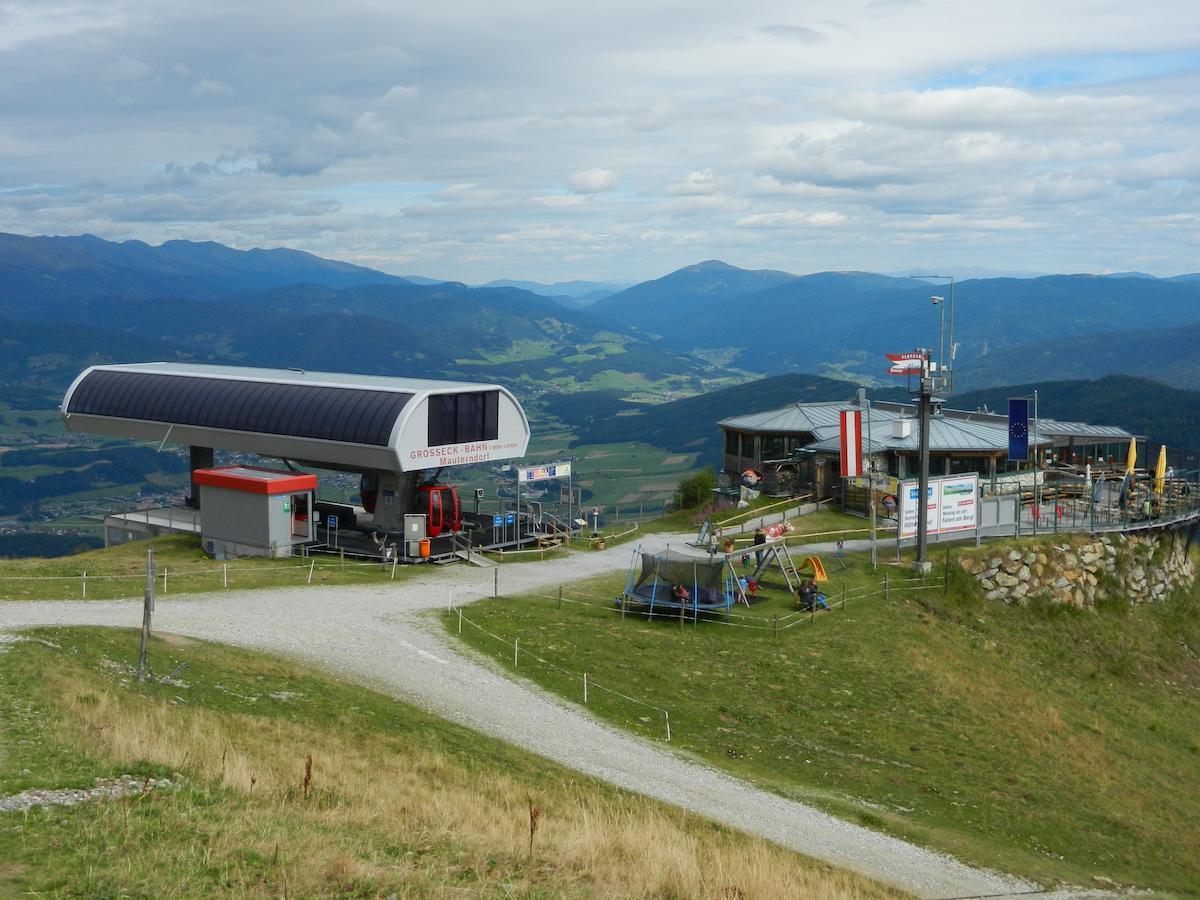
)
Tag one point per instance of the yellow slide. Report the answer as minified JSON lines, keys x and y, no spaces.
{"x":818,"y":568}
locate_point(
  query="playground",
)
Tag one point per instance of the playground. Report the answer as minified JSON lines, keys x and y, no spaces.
{"x":674,"y":584}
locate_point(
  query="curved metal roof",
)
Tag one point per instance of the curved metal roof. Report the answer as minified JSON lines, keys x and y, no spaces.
{"x":332,"y":420}
{"x":298,"y":410}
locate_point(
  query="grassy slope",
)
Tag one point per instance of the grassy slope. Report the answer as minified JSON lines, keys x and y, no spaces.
{"x":1047,"y":742}
{"x":120,"y":571}
{"x":401,"y":802}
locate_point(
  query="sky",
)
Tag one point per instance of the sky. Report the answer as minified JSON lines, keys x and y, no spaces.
{"x":614,"y":141}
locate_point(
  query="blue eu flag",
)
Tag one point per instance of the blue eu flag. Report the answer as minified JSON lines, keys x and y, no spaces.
{"x":1018,"y":429}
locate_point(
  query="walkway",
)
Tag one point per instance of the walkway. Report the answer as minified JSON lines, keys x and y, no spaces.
{"x":384,"y":636}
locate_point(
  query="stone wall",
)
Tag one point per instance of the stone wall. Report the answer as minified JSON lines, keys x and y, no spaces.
{"x":1079,"y":569}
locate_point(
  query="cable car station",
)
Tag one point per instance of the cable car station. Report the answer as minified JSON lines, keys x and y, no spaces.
{"x":398,"y":434}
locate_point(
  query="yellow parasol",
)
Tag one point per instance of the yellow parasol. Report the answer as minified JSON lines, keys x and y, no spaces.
{"x":1131,"y":459}
{"x":1160,"y":471}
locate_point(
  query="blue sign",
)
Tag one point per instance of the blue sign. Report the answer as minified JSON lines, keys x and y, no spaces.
{"x":331,"y":521}
{"x":510,"y":519}
{"x":1018,"y":429}
{"x":497,"y":521}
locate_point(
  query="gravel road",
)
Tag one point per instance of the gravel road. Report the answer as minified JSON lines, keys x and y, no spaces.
{"x":384,"y":636}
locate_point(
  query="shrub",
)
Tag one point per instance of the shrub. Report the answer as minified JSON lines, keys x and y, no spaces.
{"x":696,"y":490}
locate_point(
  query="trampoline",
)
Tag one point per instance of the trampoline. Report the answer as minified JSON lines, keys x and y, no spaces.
{"x":710,"y":584}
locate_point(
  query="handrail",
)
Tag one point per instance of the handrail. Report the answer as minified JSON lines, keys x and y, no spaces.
{"x":760,"y":510}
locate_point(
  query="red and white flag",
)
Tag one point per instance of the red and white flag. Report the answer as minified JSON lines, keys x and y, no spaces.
{"x":906,"y":363}
{"x":851,"y":443}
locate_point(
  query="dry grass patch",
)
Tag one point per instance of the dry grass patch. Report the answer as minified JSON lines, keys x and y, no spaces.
{"x":396,"y":801}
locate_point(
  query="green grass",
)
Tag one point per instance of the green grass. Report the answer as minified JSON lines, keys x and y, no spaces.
{"x":120,"y":571}
{"x":1045,"y":741}
{"x":399,"y":803}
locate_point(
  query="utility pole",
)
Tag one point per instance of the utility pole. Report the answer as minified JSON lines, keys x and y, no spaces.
{"x":924,"y":408}
{"x":936,"y":378}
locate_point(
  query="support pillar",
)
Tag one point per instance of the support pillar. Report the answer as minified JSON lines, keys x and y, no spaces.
{"x":200,"y":458}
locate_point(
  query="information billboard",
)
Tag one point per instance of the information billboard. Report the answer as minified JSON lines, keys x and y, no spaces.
{"x":952,"y":504}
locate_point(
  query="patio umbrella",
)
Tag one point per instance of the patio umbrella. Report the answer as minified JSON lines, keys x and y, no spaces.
{"x":1131,"y":459}
{"x":1160,"y":471}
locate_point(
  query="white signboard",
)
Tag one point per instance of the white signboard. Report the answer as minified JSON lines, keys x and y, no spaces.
{"x":952,"y":504}
{"x":541,"y":473}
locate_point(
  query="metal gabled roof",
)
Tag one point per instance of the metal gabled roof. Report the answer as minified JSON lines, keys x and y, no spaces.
{"x":797,"y":417}
{"x":951,"y":429}
{"x":1083,"y":430}
{"x":946,"y":435}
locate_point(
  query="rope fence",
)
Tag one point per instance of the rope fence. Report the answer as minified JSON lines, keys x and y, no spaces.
{"x":586,"y":682}
{"x":221,"y":575}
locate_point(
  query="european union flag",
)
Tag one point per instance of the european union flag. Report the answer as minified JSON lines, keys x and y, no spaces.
{"x":1018,"y":429}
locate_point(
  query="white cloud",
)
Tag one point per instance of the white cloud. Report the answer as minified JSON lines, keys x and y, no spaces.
{"x":694,"y":183}
{"x":1024,"y":136}
{"x":206,"y":87}
{"x":791,"y":219}
{"x":399,"y":93}
{"x":126,"y":69}
{"x":592,"y":181}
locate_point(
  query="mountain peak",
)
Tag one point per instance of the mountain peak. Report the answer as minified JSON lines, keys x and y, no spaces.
{"x":711,"y":265}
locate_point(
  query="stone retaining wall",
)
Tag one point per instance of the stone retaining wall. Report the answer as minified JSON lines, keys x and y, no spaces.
{"x":1078,"y":569}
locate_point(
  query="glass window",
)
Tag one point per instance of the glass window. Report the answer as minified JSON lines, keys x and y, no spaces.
{"x":772,"y":446}
{"x":462,"y":418}
{"x":748,"y":446}
{"x":731,"y":443}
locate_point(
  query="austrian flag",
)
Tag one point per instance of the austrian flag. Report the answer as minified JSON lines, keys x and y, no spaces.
{"x":851,"y":443}
{"x":906,"y":363}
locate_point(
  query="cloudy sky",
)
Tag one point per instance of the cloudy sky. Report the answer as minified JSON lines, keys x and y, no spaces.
{"x":556,"y":139}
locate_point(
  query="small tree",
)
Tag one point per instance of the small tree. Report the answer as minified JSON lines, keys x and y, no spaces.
{"x":696,"y":490}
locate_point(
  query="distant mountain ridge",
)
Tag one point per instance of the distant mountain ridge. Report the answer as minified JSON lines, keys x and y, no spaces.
{"x":657,"y":306}
{"x":1167,"y":355}
{"x":57,"y":269}
{"x":1137,"y":404}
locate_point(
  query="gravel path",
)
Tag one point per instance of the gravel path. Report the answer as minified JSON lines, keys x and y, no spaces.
{"x":383,"y":635}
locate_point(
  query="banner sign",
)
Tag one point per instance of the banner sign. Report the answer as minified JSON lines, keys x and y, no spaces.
{"x":1018,"y":429}
{"x":541,"y":473}
{"x":851,"y":421}
{"x":952,"y":504}
{"x":909,"y":363}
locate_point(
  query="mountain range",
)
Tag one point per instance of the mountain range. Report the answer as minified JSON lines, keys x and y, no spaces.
{"x":68,"y":301}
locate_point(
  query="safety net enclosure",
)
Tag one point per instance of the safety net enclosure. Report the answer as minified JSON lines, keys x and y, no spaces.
{"x":672,"y":580}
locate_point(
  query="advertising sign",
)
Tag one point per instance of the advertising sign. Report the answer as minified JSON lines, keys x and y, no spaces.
{"x":952,"y":504}
{"x":958,"y":504}
{"x":908,"y":508}
{"x":541,"y":473}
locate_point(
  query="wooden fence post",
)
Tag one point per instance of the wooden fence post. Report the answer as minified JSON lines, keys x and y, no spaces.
{"x":147,"y":612}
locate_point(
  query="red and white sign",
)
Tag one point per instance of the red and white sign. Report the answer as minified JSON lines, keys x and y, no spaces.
{"x":851,"y":443}
{"x":906,"y":363}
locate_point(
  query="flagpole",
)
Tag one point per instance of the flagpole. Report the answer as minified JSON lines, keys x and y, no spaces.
{"x":871,"y":489}
{"x":1037,"y":467}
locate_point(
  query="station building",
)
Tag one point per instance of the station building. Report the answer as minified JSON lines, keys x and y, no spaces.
{"x":796,"y":448}
{"x":397,"y":434}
